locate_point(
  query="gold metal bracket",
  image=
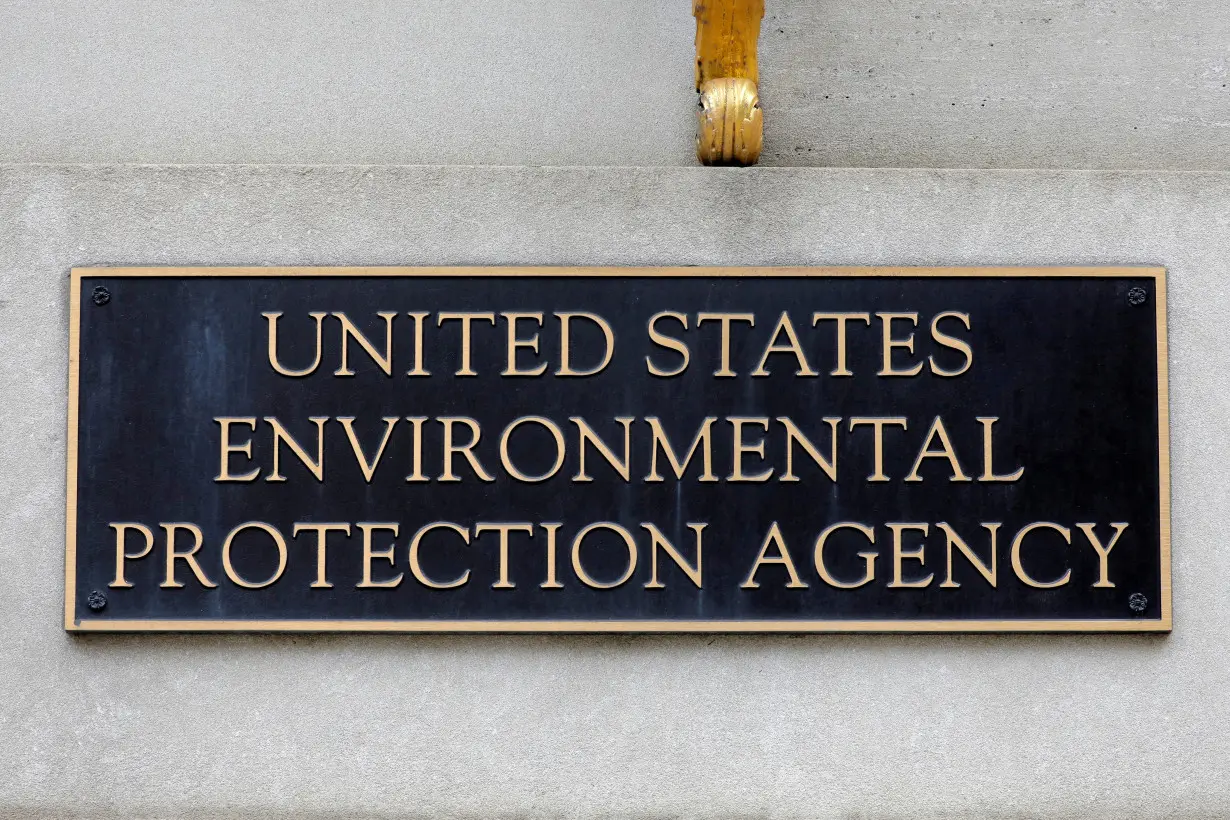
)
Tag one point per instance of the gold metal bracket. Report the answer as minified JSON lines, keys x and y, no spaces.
{"x":731,"y":124}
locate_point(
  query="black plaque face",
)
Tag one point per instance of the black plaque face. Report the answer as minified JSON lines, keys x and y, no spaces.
{"x":558,"y":449}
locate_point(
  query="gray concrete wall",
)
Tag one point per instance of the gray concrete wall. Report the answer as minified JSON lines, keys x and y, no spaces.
{"x":923,"y":83}
{"x":691,"y":726}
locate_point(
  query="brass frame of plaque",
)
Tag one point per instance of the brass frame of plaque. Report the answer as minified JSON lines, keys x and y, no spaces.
{"x":1164,"y":624}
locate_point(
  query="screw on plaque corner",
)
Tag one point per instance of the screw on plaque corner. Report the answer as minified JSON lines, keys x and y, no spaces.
{"x":101,"y":295}
{"x":1137,"y":602}
{"x":96,"y":601}
{"x":1137,"y":296}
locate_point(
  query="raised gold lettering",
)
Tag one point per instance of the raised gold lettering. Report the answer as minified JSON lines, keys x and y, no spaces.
{"x":1019,"y":569}
{"x":890,"y":344}
{"x":937,"y":429}
{"x":278,"y":541}
{"x":466,"y":450}
{"x":547,"y":425}
{"x":552,"y":581}
{"x":878,"y":424}
{"x":988,"y":472}
{"x":349,"y":331}
{"x":565,"y":355}
{"x":724,"y":371}
{"x":273,"y":346}
{"x":368,"y":467}
{"x":900,"y":554}
{"x":586,"y":435}
{"x":322,"y":533}
{"x":795,"y":436}
{"x":953,"y":342}
{"x":315,"y":466}
{"x":503,"y":530}
{"x":370,"y":554}
{"x":515,"y":344}
{"x":121,"y":555}
{"x":224,"y":470}
{"x":418,"y":369}
{"x":1103,"y":551}
{"x":669,"y":342}
{"x":774,"y":539}
{"x":584,"y":576}
{"x":416,"y":448}
{"x":660,"y":441}
{"x":188,"y":557}
{"x":840,"y":319}
{"x":659,"y":541}
{"x":740,"y":448}
{"x":869,"y":558}
{"x":466,"y":320}
{"x":954,"y":540}
{"x":417,"y":569}
{"x":792,"y":345}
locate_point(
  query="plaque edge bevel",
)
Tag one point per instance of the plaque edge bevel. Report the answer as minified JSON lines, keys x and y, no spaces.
{"x":1162,"y":624}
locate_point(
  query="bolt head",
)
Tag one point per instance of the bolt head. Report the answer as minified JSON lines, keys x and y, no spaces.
{"x":96,"y":600}
{"x":1137,"y":296}
{"x":1137,"y":602}
{"x":101,"y":296}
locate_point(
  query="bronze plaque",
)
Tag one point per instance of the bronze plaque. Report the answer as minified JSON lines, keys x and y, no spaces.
{"x":618,"y":449}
